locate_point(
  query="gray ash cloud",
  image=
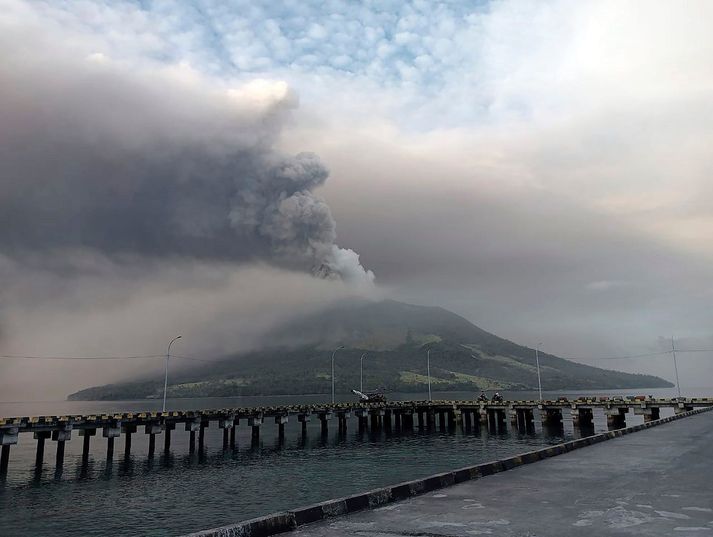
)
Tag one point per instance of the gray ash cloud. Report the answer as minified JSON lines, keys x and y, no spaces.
{"x":99,"y":156}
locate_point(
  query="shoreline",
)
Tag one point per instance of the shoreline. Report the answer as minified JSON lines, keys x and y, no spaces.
{"x":328,"y":394}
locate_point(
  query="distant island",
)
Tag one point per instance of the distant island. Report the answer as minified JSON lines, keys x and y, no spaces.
{"x":395,"y":337}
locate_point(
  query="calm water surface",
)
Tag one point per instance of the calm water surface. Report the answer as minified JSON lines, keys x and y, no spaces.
{"x":179,"y":493}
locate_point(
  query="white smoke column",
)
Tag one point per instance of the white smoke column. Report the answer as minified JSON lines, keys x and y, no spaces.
{"x":346,"y":263}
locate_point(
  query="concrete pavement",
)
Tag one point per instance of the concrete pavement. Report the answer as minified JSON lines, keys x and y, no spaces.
{"x":657,"y":482}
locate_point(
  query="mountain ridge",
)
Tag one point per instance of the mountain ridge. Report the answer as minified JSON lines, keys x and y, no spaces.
{"x":296,"y":359}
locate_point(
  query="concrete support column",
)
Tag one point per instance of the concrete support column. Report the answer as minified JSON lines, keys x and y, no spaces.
{"x":201,"y":435}
{"x":255,"y":422}
{"x":324,"y":418}
{"x":152,"y":429}
{"x":110,"y":432}
{"x":500,"y":418}
{"x":281,"y":421}
{"x":227,"y":424}
{"x":109,"y":449}
{"x":681,"y":408}
{"x":496,"y":419}
{"x":430,"y":418}
{"x":303,"y":419}
{"x":59,"y":456}
{"x":87,"y":434}
{"x":467,"y":420}
{"x":616,"y":417}
{"x":192,"y":427}
{"x":453,"y":418}
{"x":551,"y":416}
{"x":441,"y":420}
{"x":387,"y":420}
{"x":649,"y":413}
{"x":376,"y":418}
{"x":492,"y":420}
{"x":40,"y":436}
{"x":362,"y":417}
{"x":483,"y":416}
{"x":61,"y":436}
{"x":4,"y":459}
{"x":406,"y":419}
{"x":128,"y":429}
{"x":582,"y":417}
{"x":343,"y":418}
{"x":525,"y":418}
{"x":169,"y":426}
{"x":236,"y":422}
{"x":514,"y":416}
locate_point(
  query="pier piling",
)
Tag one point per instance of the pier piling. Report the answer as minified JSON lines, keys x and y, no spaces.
{"x":616,"y":417}
{"x":303,"y":419}
{"x":87,"y":434}
{"x":551,"y":416}
{"x":281,"y":420}
{"x":201,"y":436}
{"x":110,"y":432}
{"x":583,"y":417}
{"x":152,"y":429}
{"x":192,"y":426}
{"x":255,"y":422}
{"x":128,"y":429}
{"x":4,"y":459}
{"x":60,"y":436}
{"x":40,"y":436}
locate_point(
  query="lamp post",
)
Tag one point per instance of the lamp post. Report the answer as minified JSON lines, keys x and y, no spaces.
{"x":675,"y":366}
{"x":537,"y":359}
{"x":165,"y":377}
{"x":361,"y":373}
{"x":333,"y":353}
{"x":428,"y":368}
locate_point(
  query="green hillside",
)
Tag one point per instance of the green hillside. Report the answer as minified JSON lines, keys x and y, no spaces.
{"x":395,"y":337}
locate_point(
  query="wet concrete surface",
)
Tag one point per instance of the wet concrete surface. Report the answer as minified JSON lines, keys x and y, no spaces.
{"x":656,"y":482}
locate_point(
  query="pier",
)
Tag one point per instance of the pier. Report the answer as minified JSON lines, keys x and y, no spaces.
{"x":654,"y":483}
{"x":397,"y":415}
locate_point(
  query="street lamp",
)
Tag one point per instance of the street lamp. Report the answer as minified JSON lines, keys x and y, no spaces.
{"x":675,"y":366}
{"x":537,"y":358}
{"x":333,"y":353}
{"x":361,"y":373}
{"x":165,"y":377}
{"x":428,"y":367}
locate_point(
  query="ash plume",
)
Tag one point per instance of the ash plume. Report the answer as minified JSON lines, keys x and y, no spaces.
{"x":154,"y":163}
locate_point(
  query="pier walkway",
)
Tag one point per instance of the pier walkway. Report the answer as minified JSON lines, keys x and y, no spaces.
{"x":657,"y":482}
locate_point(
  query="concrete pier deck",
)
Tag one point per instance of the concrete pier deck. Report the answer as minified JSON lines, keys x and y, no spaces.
{"x":657,"y":482}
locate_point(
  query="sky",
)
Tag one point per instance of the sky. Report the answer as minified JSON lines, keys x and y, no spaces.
{"x":211,"y":168}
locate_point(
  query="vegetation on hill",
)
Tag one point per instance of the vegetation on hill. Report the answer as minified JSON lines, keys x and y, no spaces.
{"x":395,"y":337}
